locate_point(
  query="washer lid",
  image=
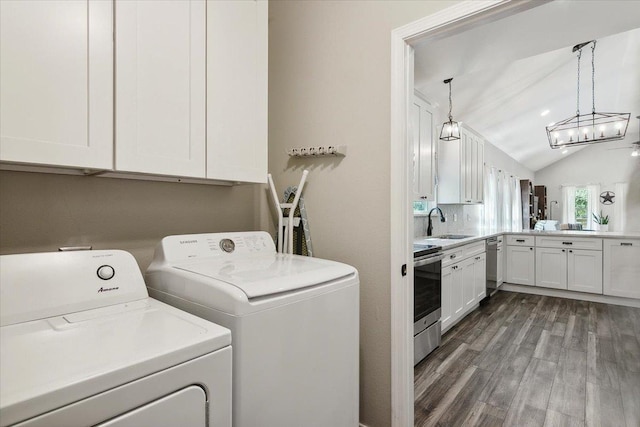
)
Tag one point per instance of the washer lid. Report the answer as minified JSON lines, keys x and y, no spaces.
{"x":269,"y":274}
{"x":53,"y":362}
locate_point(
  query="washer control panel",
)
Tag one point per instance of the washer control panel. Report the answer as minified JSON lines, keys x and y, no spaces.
{"x":194,"y":246}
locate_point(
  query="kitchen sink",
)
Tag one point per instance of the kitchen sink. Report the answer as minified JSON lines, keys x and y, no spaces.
{"x":453,"y":236}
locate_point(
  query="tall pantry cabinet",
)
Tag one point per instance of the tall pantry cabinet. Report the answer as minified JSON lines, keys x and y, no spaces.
{"x":189,"y":79}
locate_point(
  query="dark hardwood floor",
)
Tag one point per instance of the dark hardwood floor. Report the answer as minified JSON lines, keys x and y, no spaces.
{"x":529,"y":360}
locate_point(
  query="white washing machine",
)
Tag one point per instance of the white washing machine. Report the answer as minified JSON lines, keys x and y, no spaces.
{"x":293,"y":319}
{"x":81,"y":343}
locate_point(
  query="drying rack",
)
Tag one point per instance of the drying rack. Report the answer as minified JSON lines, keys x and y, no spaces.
{"x":285,"y":243}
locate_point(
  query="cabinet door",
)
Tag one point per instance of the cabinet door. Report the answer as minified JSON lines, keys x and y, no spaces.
{"x":466,"y":169}
{"x":457,"y":295}
{"x":621,"y":268}
{"x":447,"y":292}
{"x":237,"y":90}
{"x":585,"y":271}
{"x":56,"y":83}
{"x":551,"y":268}
{"x":160,"y":91}
{"x":479,"y":171}
{"x":424,"y":142}
{"x":500,"y":266}
{"x":521,"y":265}
{"x":468,"y":283}
{"x":480,"y":276}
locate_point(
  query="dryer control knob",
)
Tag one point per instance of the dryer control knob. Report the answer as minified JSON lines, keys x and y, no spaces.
{"x":106,"y":272}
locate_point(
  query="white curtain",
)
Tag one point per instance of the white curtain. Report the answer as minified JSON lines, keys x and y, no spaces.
{"x":569,"y":204}
{"x":505,"y":189}
{"x":490,"y":198}
{"x":516,"y":205}
{"x":620,"y":206}
{"x":593,"y":204}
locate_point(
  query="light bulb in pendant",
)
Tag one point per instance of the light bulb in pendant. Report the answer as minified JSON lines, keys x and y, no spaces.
{"x":602,"y":129}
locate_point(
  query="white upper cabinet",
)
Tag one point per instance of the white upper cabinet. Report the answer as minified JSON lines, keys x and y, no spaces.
{"x":424,"y":149}
{"x":160,"y":69}
{"x":461,"y":169}
{"x":56,"y":83}
{"x":237,"y":42}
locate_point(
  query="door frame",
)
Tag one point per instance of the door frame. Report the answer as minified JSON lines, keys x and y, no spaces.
{"x":455,"y":19}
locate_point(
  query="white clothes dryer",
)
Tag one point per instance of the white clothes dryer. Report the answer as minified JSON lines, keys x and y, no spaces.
{"x":294,"y":322}
{"x":81,"y":343}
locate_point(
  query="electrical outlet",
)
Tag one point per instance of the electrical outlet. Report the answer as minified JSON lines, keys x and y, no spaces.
{"x":455,"y":217}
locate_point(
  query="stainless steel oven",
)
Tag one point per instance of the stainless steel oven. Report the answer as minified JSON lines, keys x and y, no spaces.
{"x":427,"y":294}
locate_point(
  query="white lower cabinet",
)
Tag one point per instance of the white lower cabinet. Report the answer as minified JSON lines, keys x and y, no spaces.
{"x":584,"y":271}
{"x":551,"y":268}
{"x":569,"y":263}
{"x":452,"y":298}
{"x":480,"y":276}
{"x":463,"y":282}
{"x":521,"y":265}
{"x":621,"y":267}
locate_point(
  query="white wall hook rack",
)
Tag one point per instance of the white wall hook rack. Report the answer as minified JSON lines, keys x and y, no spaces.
{"x":285,"y":241}
{"x":320,"y":151}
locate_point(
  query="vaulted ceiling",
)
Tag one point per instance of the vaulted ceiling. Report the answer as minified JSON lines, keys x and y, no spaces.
{"x":508,"y":72}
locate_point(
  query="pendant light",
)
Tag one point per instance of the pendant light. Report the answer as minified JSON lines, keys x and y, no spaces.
{"x":587,"y":128}
{"x":450,"y":130}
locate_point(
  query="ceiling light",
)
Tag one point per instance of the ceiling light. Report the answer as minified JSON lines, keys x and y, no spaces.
{"x":544,"y":113}
{"x":588,"y":128}
{"x":450,"y":130}
{"x":635,"y":153}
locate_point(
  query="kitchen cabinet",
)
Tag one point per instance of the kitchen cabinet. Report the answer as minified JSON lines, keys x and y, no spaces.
{"x":452,"y":298}
{"x":160,"y":70}
{"x":191,"y":88}
{"x":570,"y":263}
{"x":424,"y":149}
{"x":463,"y":282}
{"x":551,"y":268}
{"x":521,"y":258}
{"x":237,"y":42}
{"x":621,"y":267}
{"x":461,"y":169}
{"x":56,"y":83}
{"x":480,"y":276}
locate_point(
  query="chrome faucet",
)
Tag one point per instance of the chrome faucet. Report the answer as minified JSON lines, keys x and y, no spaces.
{"x":430,"y":226}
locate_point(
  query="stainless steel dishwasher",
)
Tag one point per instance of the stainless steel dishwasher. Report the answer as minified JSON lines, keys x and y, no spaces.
{"x":494,"y":265}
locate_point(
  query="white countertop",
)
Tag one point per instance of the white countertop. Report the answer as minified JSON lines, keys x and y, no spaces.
{"x":453,"y":243}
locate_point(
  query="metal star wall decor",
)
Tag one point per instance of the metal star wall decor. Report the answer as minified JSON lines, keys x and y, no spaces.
{"x":606,"y":197}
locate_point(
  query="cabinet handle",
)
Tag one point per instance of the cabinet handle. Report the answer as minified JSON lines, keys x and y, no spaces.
{"x":570,"y":252}
{"x":520,"y":240}
{"x":477,"y":258}
{"x":423,"y":197}
{"x":567,"y":243}
{"x":626,"y":244}
{"x":563,"y":250}
{"x":530,"y":249}
{"x":452,"y":256}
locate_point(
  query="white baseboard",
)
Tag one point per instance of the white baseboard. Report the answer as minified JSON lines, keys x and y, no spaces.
{"x":581,"y":296}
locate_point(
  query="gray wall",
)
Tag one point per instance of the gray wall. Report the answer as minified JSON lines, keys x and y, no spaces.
{"x":41,"y":212}
{"x":329,"y":84}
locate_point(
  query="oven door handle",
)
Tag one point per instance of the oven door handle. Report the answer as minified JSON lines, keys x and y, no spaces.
{"x":427,"y":261}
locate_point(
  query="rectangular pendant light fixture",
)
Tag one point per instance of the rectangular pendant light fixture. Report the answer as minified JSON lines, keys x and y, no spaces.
{"x":583,"y":129}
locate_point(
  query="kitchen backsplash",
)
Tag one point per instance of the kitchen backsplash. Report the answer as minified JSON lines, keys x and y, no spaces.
{"x":460,"y":219}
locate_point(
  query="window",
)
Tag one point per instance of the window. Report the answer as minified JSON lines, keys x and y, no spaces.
{"x":582,"y":206}
{"x":578,"y":204}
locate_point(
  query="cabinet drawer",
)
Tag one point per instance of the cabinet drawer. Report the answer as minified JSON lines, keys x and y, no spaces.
{"x":473,"y":249}
{"x":452,"y":256}
{"x":569,"y":242}
{"x":517,"y":240}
